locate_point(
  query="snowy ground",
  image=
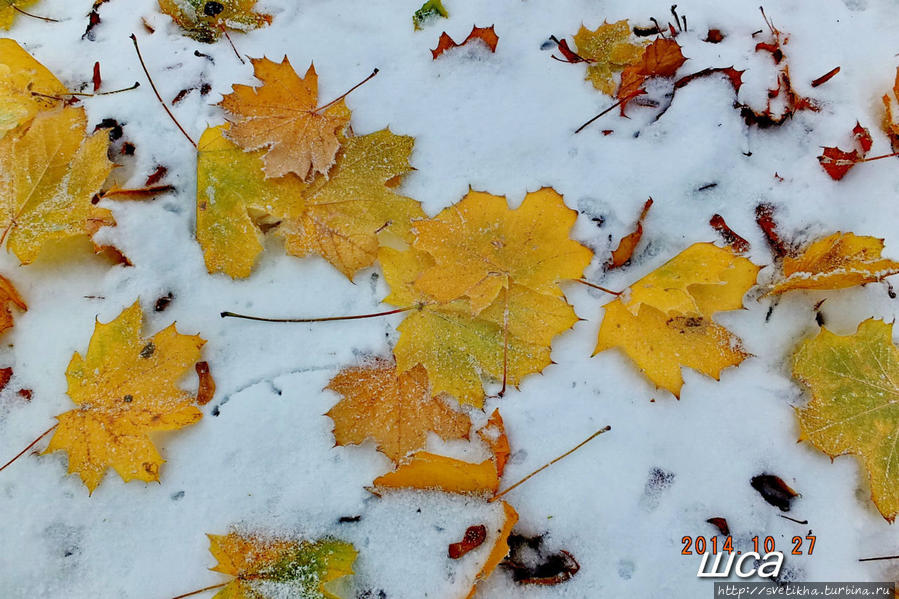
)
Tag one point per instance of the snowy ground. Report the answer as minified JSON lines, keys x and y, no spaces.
{"x":502,"y":123}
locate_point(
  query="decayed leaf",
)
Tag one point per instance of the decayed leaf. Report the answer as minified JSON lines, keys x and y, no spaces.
{"x":485,"y":34}
{"x":207,"y":20}
{"x":481,"y":247}
{"x":609,"y":50}
{"x":8,"y":13}
{"x":125,"y":387}
{"x":835,"y":262}
{"x":395,"y":409}
{"x":20,"y":75}
{"x":500,"y":548}
{"x":431,"y":9}
{"x":667,"y":322}
{"x":431,"y":471}
{"x":457,"y":348}
{"x":48,"y":176}
{"x":494,"y":435}
{"x":282,"y":116}
{"x":265,"y":567}
{"x":855,"y":403}
{"x":338,"y":218}
{"x":9,"y":296}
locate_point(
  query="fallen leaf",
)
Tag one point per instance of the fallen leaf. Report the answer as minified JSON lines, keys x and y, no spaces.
{"x":206,"y":20}
{"x":431,"y":471}
{"x":835,"y":262}
{"x":21,"y":79}
{"x":774,"y":490}
{"x":622,"y":254}
{"x":609,"y":50}
{"x":266,"y":568}
{"x":126,"y":387}
{"x":485,"y":34}
{"x":9,"y":296}
{"x":512,"y":335}
{"x":395,"y":409}
{"x":338,"y":218}
{"x":500,"y":548}
{"x":8,"y":13}
{"x":493,"y":434}
{"x":480,"y":247}
{"x":430,"y":10}
{"x":282,"y":116}
{"x":48,"y":177}
{"x":855,"y":402}
{"x":474,"y":538}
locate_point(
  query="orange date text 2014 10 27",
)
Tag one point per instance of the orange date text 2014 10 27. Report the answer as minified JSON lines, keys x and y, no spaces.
{"x":700,"y":545}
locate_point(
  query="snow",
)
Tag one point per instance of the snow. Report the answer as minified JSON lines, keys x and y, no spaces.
{"x":501,"y":123}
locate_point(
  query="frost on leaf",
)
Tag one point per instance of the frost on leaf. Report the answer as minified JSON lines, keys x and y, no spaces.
{"x":609,"y":50}
{"x":395,"y":409}
{"x":267,"y":568}
{"x":126,"y":387}
{"x":666,"y":322}
{"x":835,"y":262}
{"x":339,"y":218}
{"x":24,"y":83}
{"x":48,"y":176}
{"x":282,"y":117}
{"x":855,"y":403}
{"x":207,"y":20}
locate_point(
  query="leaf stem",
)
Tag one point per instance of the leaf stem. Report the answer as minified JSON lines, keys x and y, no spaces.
{"x":32,"y":444}
{"x":323,"y":319}
{"x":348,"y":92}
{"x":155,"y":91}
{"x":595,"y":286}
{"x":548,"y":464}
{"x":203,"y":590}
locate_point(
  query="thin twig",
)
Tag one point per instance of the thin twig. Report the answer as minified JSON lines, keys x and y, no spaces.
{"x":324,"y":319}
{"x":32,"y":444}
{"x":155,"y":91}
{"x":595,"y":286}
{"x":548,"y":464}
{"x":348,"y":92}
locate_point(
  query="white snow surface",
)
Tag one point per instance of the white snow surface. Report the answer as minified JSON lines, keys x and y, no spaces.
{"x":502,"y":123}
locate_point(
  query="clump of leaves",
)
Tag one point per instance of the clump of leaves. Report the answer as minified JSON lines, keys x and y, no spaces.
{"x":855,"y":403}
{"x":126,"y":387}
{"x":206,"y":20}
{"x":667,"y":321}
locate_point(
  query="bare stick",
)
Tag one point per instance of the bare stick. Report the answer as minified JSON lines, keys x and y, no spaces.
{"x":589,"y":284}
{"x":548,"y":464}
{"x":203,"y":590}
{"x":877,"y":559}
{"x":324,"y":319}
{"x":606,"y":111}
{"x":155,"y":91}
{"x":348,"y":92}
{"x":32,"y":444}
{"x":28,"y":14}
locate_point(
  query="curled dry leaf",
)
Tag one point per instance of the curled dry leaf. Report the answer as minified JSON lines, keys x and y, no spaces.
{"x":835,"y":262}
{"x":609,"y":50}
{"x":667,"y":321}
{"x":207,"y":20}
{"x":855,"y":403}
{"x":24,"y":85}
{"x":48,"y":177}
{"x":282,"y":116}
{"x":397,"y":410}
{"x":485,"y":34}
{"x":126,"y":387}
{"x":263,"y":567}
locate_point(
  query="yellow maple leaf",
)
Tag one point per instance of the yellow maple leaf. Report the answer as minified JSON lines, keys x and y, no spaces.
{"x":206,"y":21}
{"x":512,"y":335}
{"x":282,"y":116}
{"x":8,"y":13}
{"x":395,"y":409}
{"x":48,"y":176}
{"x":667,"y":321}
{"x":609,"y":51}
{"x":854,"y":382}
{"x":338,"y":218}
{"x":835,"y":262}
{"x":431,"y":471}
{"x":263,"y":566}
{"x":125,"y":387}
{"x":480,"y":247}
{"x":22,"y":78}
